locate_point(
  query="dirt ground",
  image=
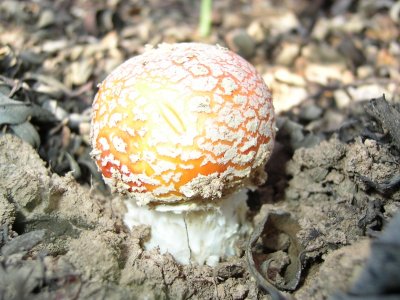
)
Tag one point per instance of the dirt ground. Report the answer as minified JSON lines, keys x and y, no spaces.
{"x":333,"y":180}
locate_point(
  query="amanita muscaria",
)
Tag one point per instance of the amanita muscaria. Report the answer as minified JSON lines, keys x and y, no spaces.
{"x":184,"y":130}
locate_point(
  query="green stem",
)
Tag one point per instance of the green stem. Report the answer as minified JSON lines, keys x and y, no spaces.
{"x":205,"y":18}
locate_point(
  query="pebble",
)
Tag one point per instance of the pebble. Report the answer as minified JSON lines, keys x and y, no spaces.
{"x":52,"y":46}
{"x":365,"y":71}
{"x":325,"y":74}
{"x":340,"y":7}
{"x":340,"y":23}
{"x":47,"y":18}
{"x":321,"y":29}
{"x":384,"y":58}
{"x":355,"y":24}
{"x":287,"y":54}
{"x":342,"y":99}
{"x":286,"y":76}
{"x":241,"y":42}
{"x":176,"y":34}
{"x":286,"y":96}
{"x":371,"y":52}
{"x":55,"y":109}
{"x":256,"y":31}
{"x":282,"y":23}
{"x":310,"y":112}
{"x":367,"y":92}
{"x":110,"y":40}
{"x":332,"y":122}
{"x":394,"y":48}
{"x":323,"y":53}
{"x":395,"y":12}
{"x":352,"y":24}
{"x":382,"y":29}
{"x":79,"y":72}
{"x":232,"y":20}
{"x":227,"y":270}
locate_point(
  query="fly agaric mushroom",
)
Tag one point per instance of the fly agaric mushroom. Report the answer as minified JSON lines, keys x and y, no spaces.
{"x":184,"y":130}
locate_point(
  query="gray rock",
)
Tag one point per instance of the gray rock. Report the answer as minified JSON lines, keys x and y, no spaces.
{"x":241,"y":42}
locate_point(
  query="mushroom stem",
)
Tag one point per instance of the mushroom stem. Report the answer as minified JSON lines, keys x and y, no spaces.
{"x":203,"y":236}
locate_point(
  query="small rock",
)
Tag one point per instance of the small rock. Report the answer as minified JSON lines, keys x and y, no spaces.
{"x":394,"y":48}
{"x":354,"y":24}
{"x":176,"y":34}
{"x":310,"y":112}
{"x":285,"y":96}
{"x":256,"y":31}
{"x":332,"y":122}
{"x":241,"y":42}
{"x":232,"y":20}
{"x":342,"y":99}
{"x":287,"y":54}
{"x":321,"y":29}
{"x":325,"y":74}
{"x":52,"y":46}
{"x":227,"y":270}
{"x":144,"y":30}
{"x":348,"y":24}
{"x":370,"y":52}
{"x":281,"y":23}
{"x":395,"y":12}
{"x":366,"y":92}
{"x":365,"y":71}
{"x":55,"y":109}
{"x":110,"y":40}
{"x":285,"y":76}
{"x":382,"y":28}
{"x":385,"y":58}
{"x":340,"y":7}
{"x":80,"y":71}
{"x":47,"y":18}
{"x":323,"y":53}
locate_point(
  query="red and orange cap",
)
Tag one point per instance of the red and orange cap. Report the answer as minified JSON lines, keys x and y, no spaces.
{"x":182,"y":122}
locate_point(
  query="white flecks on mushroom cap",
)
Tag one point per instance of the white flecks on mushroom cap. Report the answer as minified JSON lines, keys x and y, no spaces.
{"x":182,"y":122}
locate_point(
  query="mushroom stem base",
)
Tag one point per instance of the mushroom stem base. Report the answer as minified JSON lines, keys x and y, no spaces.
{"x":202,"y":236}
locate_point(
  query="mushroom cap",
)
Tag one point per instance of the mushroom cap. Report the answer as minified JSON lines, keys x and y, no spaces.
{"x":182,"y":122}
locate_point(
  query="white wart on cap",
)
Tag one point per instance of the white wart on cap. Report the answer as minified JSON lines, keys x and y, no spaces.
{"x":182,"y":122}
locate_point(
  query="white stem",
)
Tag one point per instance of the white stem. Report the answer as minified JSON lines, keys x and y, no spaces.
{"x":203,"y":235}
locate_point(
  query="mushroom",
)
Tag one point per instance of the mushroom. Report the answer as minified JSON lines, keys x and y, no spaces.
{"x":184,"y":130}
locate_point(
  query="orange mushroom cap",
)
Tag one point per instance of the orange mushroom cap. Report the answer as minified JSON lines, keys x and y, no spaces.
{"x":182,"y":122}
